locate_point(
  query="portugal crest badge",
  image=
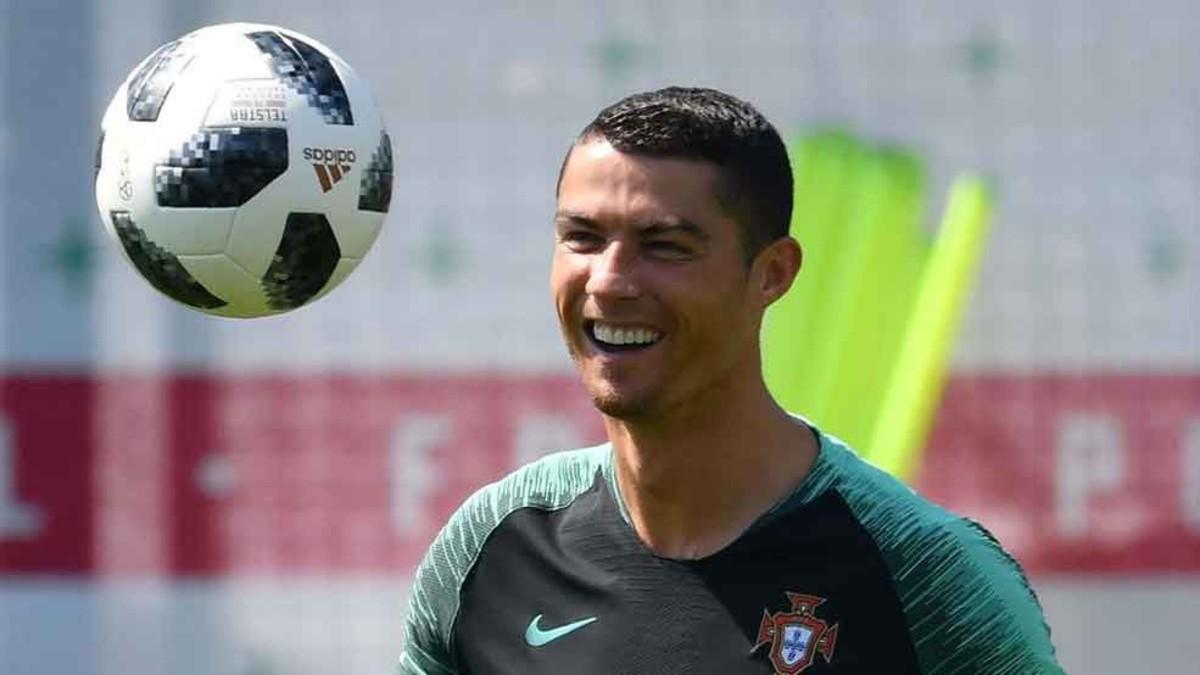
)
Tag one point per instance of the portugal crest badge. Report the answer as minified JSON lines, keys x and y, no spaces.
{"x":797,"y":636}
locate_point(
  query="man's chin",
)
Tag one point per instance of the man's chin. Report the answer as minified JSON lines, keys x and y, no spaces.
{"x":617,"y":394}
{"x":618,"y":406}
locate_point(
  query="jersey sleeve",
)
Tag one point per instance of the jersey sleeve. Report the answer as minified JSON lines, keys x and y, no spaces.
{"x":967,"y":603}
{"x":434,"y":603}
{"x":970,"y":607}
{"x":434,"y":600}
{"x":551,"y":482}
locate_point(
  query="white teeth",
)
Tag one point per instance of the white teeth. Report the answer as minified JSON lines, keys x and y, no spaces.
{"x":624,"y":336}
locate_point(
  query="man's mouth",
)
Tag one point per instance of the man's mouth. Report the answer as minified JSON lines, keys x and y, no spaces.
{"x":610,"y":337}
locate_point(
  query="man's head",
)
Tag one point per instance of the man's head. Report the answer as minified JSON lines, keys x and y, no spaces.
{"x":755,"y":177}
{"x":668,"y":250}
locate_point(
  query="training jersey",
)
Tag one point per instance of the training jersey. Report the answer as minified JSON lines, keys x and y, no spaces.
{"x":542,"y":572}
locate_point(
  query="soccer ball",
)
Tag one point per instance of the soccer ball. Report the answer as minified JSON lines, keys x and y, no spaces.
{"x":243,"y":169}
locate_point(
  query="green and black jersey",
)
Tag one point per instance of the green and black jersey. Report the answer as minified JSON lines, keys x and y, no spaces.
{"x":853,"y":573}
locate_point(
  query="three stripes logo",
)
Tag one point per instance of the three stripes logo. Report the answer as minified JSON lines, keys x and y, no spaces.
{"x":329,"y":174}
{"x":331,"y":165}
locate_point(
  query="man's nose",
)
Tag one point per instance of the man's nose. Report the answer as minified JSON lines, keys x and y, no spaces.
{"x":613,"y":272}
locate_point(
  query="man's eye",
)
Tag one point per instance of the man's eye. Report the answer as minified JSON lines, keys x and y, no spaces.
{"x":668,"y":249}
{"x":581,"y":239}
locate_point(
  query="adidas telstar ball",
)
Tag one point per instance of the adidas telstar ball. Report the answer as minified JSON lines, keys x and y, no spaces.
{"x":243,"y":169}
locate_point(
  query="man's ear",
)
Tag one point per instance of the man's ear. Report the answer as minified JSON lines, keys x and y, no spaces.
{"x":775,"y":268}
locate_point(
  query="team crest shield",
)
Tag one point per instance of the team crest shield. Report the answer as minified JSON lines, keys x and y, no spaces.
{"x":797,"y":636}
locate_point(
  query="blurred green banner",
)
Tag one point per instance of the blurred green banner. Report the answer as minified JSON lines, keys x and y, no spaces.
{"x":860,"y":344}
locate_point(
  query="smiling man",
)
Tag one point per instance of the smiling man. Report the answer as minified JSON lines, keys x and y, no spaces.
{"x":714,"y":532}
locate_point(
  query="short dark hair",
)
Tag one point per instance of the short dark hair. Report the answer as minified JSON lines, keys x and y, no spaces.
{"x":706,"y":124}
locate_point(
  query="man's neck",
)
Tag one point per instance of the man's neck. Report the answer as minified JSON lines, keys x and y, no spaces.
{"x":694,"y":480}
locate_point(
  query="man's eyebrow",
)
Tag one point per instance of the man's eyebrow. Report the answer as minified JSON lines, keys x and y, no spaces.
{"x":563,"y":218}
{"x":656,"y":227}
{"x":644,"y":228}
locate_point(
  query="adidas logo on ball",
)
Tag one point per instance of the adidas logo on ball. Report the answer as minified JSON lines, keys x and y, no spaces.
{"x":330,"y":164}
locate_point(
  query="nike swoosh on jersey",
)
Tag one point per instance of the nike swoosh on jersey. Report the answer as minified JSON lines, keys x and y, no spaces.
{"x":535,"y":636}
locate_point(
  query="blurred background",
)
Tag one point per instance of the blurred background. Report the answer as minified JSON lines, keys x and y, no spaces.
{"x":187,"y":495}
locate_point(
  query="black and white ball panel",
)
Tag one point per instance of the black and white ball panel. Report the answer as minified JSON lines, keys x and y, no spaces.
{"x":303,"y":263}
{"x":308,"y":72}
{"x":151,"y":84}
{"x":160,"y":267}
{"x":221,"y":167}
{"x":375,"y":189}
{"x":99,"y":155}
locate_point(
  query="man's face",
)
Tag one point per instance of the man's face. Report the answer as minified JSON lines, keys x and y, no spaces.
{"x":649,"y":281}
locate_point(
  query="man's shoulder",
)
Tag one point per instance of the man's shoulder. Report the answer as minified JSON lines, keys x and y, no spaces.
{"x":913,"y":533}
{"x":966,"y":600}
{"x":894,"y":513}
{"x":549,"y":483}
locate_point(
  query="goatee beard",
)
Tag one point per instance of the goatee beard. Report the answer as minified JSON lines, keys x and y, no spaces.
{"x":620,"y":408}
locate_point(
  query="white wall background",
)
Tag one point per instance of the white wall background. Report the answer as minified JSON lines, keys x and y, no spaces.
{"x":1084,"y":112}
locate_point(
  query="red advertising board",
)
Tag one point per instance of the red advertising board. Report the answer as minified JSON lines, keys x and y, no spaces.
{"x":214,"y":475}
{"x":1097,"y":473}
